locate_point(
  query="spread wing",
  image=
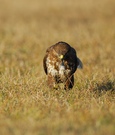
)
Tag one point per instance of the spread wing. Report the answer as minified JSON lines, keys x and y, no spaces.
{"x":72,"y":60}
{"x":77,"y":61}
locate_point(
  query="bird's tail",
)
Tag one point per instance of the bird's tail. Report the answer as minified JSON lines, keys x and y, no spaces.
{"x":80,"y":64}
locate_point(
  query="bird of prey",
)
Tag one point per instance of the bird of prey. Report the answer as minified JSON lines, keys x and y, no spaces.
{"x":60,"y":63}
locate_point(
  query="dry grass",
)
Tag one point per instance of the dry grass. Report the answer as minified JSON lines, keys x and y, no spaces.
{"x":27,"y":106}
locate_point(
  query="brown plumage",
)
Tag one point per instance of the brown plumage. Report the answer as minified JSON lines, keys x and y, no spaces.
{"x":60,"y":64}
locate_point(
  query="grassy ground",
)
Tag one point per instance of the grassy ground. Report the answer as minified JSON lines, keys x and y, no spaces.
{"x":27,"y":105}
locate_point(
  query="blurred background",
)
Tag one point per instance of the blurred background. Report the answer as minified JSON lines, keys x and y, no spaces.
{"x":37,"y":24}
{"x":27,"y":29}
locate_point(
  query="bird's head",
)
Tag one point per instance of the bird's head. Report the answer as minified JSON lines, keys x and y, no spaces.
{"x":61,"y":49}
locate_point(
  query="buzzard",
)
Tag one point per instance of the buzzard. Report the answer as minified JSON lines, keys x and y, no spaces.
{"x":60,"y":63}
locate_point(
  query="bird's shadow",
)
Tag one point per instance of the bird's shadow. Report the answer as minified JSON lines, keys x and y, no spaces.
{"x":105,"y":86}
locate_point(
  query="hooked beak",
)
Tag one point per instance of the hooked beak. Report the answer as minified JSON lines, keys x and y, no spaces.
{"x":61,"y":57}
{"x":62,"y":61}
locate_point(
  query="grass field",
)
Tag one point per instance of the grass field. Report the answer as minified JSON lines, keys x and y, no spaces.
{"x":27,"y":105}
